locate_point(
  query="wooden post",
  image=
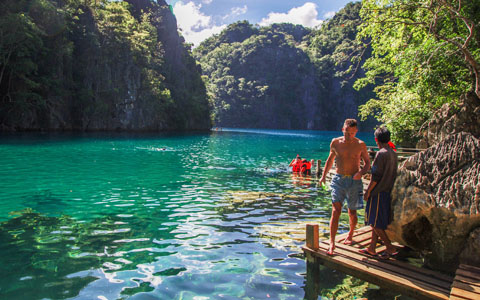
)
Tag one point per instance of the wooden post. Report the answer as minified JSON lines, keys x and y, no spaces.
{"x":312,"y":286}
{"x":312,"y":236}
{"x":319,"y":168}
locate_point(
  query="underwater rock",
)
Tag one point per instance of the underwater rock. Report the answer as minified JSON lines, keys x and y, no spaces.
{"x":436,"y":202}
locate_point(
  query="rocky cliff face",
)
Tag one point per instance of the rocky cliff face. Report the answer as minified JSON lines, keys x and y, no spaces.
{"x":107,"y":68}
{"x":274,"y":77}
{"x":181,"y":72}
{"x":451,"y":119}
{"x":436,"y":202}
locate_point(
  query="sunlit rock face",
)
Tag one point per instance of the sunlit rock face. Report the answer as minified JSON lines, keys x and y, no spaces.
{"x":436,"y":202}
{"x":451,"y":119}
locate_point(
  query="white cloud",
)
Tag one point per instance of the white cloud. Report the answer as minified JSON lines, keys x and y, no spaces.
{"x":236,"y":11}
{"x":207,"y":1}
{"x":195,"y":26}
{"x":305,"y":15}
{"x":329,"y":15}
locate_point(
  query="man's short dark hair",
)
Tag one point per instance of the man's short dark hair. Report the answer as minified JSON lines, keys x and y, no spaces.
{"x":350,"y":123}
{"x":382,"y":134}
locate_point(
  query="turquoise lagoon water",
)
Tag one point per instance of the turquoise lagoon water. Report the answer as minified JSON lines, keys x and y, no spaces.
{"x":160,"y":216}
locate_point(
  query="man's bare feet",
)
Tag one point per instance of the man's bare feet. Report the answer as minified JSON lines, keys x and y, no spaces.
{"x":330,"y":249}
{"x":368,"y":251}
{"x":392,"y":251}
{"x":348,"y":241}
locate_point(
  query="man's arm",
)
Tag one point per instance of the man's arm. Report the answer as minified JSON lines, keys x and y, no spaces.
{"x":377,"y":171}
{"x":329,"y":163}
{"x":291,"y":163}
{"x":366,"y":166}
{"x":370,"y":187}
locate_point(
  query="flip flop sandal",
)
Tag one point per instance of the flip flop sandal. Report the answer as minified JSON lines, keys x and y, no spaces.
{"x":386,"y":255}
{"x":365,"y":251}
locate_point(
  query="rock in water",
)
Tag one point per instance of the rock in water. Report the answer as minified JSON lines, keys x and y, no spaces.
{"x":436,"y":202}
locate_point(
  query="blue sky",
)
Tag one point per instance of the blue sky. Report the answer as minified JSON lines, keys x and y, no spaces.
{"x":199,"y":19}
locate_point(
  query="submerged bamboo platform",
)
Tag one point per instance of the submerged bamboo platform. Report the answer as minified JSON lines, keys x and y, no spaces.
{"x":394,"y":274}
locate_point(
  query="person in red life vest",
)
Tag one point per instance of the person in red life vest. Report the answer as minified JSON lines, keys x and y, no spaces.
{"x":296,"y":164}
{"x":306,"y":167}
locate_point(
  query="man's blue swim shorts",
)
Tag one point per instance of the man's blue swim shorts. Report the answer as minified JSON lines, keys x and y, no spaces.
{"x":345,"y":187}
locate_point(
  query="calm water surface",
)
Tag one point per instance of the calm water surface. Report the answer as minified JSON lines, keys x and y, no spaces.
{"x":193,"y":216}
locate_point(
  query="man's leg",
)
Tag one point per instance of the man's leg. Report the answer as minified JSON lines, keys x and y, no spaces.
{"x":383,"y":235}
{"x":372,"y":249}
{"x":336,"y":211}
{"x":355,"y":202}
{"x":352,"y":219}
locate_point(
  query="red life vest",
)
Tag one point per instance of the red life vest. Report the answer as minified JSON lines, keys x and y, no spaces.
{"x":297,"y":166}
{"x":305,"y":168}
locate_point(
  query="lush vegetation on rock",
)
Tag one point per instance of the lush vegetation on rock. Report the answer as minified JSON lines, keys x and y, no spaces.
{"x":425,"y":54}
{"x":282,"y":76}
{"x":96,"y":65}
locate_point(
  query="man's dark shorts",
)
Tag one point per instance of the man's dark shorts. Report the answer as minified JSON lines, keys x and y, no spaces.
{"x":377,"y":211}
{"x":345,"y":187}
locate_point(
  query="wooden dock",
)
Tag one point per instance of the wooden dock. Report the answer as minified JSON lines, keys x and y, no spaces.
{"x":466,"y":284}
{"x":394,"y":274}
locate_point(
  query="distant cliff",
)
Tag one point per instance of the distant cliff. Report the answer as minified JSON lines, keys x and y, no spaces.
{"x":283,"y":76}
{"x":98,"y":65}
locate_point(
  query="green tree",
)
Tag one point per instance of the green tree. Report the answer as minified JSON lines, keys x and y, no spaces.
{"x":425,"y":53}
{"x":21,"y":45}
{"x":284,"y":75}
{"x":96,"y":64}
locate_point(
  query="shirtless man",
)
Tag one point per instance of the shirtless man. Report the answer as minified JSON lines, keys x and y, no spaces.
{"x":347,"y":183}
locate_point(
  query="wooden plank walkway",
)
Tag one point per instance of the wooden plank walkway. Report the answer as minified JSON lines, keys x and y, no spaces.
{"x":420,"y":283}
{"x":466,"y":284}
{"x":402,"y":153}
{"x":393,"y":274}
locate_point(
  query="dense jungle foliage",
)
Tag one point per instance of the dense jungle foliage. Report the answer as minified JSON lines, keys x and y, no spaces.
{"x":96,"y":65}
{"x":284,"y":76}
{"x":425,"y":54}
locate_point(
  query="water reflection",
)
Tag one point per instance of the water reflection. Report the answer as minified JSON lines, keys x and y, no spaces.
{"x":212,"y":217}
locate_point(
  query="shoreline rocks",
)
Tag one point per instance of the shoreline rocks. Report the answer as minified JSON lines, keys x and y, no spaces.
{"x":436,"y":203}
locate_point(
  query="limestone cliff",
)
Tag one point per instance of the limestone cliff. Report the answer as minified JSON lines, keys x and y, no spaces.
{"x":450,"y":119}
{"x":436,"y":202}
{"x":115,"y":65}
{"x":284,"y":76}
